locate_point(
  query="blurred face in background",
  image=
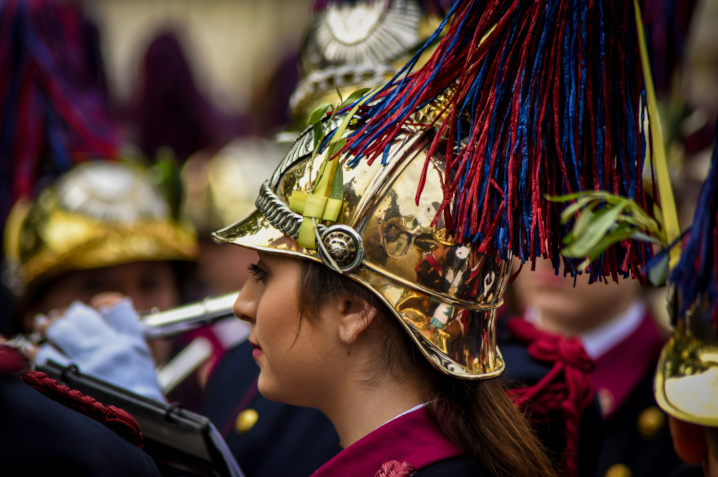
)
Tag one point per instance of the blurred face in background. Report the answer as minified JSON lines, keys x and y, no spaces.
{"x":149,"y":284}
{"x":567,"y":309}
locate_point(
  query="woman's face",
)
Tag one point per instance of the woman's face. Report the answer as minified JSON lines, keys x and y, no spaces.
{"x":296,"y":362}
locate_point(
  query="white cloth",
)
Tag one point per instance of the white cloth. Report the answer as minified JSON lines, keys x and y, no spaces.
{"x":601,"y":339}
{"x":107,"y":344}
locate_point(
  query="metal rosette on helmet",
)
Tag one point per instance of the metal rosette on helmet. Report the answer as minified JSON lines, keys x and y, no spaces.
{"x":443,"y":293}
{"x":96,"y":215}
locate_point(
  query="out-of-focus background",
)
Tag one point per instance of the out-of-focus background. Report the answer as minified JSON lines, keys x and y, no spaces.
{"x":702,"y":59}
{"x":234,"y":47}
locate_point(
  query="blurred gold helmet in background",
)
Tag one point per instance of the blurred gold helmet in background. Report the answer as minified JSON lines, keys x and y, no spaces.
{"x":96,"y":215}
{"x":353,"y":45}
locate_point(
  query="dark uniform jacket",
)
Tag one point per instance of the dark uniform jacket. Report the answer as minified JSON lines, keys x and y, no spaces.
{"x":39,"y":437}
{"x":637,"y":441}
{"x":529,"y":373}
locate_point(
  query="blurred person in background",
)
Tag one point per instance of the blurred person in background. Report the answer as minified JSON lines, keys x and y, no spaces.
{"x":615,"y":324}
{"x":55,"y":114}
{"x":102,"y":226}
{"x":169,"y":110}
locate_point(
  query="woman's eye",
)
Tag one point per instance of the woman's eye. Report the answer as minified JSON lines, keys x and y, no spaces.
{"x":257,"y":272}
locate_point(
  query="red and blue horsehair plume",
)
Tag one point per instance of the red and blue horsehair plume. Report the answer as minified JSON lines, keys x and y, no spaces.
{"x":52,"y":106}
{"x":695,"y":277}
{"x":546,"y":97}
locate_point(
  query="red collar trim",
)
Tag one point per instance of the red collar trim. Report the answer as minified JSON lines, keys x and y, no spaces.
{"x":412,"y":438}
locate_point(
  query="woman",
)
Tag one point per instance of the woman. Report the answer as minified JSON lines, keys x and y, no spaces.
{"x":351,"y":346}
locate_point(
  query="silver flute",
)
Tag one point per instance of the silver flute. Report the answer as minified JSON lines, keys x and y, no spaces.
{"x":168,"y":323}
{"x":161,"y":324}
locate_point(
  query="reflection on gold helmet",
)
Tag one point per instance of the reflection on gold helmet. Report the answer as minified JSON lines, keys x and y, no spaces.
{"x":686,"y":384}
{"x":96,"y":215}
{"x":444,"y":294}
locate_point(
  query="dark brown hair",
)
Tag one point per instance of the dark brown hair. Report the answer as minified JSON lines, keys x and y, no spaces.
{"x":477,"y":415}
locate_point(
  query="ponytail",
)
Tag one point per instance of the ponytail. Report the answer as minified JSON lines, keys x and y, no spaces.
{"x":482,"y":420}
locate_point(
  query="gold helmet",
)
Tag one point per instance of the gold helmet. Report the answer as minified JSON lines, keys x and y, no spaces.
{"x":686,"y":384}
{"x":96,"y":215}
{"x":360,"y":44}
{"x":443,"y":293}
{"x":456,"y":160}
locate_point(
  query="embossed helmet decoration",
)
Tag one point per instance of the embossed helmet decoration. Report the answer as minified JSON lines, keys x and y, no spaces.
{"x":350,"y":45}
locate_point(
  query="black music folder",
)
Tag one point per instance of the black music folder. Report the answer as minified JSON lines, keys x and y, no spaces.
{"x":181,"y":442}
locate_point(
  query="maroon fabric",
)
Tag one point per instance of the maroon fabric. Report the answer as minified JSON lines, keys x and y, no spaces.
{"x":620,"y":370}
{"x":12,"y":361}
{"x":411,"y":440}
{"x":170,"y":110}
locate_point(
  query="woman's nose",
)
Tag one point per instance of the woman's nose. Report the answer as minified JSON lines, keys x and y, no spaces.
{"x":245,"y":306}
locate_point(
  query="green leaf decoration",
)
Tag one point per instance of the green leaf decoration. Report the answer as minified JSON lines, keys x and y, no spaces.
{"x":319,"y":113}
{"x":335,"y":147}
{"x":598,"y":225}
{"x":318,"y":131}
{"x":353,"y":97}
{"x":337,"y":191}
{"x":601,"y":219}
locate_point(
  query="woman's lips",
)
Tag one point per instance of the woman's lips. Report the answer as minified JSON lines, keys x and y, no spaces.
{"x":256,"y":351}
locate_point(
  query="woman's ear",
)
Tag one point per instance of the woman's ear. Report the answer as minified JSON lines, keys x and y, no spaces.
{"x":355,"y":316}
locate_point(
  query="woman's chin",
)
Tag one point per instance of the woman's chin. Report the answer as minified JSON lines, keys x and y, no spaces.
{"x":266,"y":388}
